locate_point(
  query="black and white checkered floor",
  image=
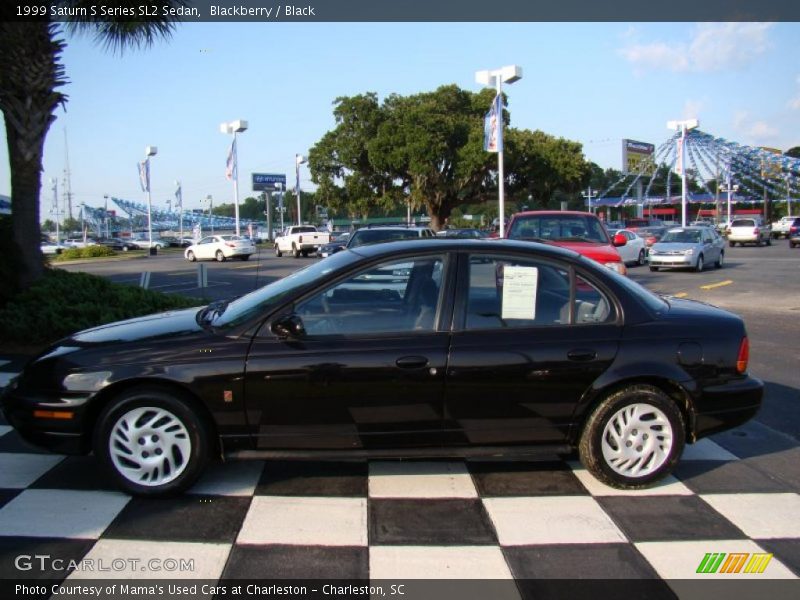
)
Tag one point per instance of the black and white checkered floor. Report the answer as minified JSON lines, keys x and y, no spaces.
{"x":415,"y":520}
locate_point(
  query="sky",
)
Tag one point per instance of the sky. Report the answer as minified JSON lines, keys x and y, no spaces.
{"x":595,"y":83}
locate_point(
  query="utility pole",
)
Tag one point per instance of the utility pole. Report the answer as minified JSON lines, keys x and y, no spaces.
{"x":67,"y":182}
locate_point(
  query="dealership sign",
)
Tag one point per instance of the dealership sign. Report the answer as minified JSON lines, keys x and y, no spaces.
{"x":268,"y":182}
{"x":637,"y":157}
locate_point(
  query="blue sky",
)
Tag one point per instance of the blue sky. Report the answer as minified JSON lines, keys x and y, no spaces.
{"x":595,"y":83}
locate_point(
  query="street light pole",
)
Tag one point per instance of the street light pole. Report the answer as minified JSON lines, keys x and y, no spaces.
{"x":495,"y":78}
{"x":54,"y":181}
{"x":105,"y":214}
{"x":588,"y":195}
{"x":299,"y":159}
{"x":149,"y":151}
{"x":729,"y":188}
{"x":684,"y":127}
{"x":234,"y":127}
{"x":211,"y":212}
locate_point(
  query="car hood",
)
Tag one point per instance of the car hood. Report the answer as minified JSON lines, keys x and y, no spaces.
{"x":168,"y":324}
{"x":672,"y":246}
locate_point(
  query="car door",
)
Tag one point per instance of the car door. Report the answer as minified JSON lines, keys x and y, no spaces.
{"x":367,"y":369}
{"x":710,"y":248}
{"x":205,"y":247}
{"x":530,"y":337}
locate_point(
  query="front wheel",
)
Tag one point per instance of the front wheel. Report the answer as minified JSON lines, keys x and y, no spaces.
{"x":151,"y":442}
{"x":219,"y":256}
{"x":245,"y":257}
{"x":641,"y":259}
{"x":769,"y":241}
{"x":699,"y":266}
{"x":720,"y":260}
{"x":295,"y":251}
{"x":634,"y":437}
{"x":654,"y":268}
{"x":190,"y":255}
{"x":278,"y":252}
{"x":731,"y":244}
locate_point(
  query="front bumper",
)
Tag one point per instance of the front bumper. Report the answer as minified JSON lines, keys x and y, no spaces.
{"x":671,"y":260}
{"x":726,"y":406}
{"x":66,"y":436}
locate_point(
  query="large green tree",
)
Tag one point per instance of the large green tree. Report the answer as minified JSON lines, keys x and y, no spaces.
{"x":793,"y":152}
{"x":31,"y":77}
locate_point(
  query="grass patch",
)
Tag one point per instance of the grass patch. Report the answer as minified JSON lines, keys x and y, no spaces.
{"x":87,"y":252}
{"x":62,"y":303}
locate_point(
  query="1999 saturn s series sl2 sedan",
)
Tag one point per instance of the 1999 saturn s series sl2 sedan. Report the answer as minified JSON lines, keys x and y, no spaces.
{"x":416,"y":348}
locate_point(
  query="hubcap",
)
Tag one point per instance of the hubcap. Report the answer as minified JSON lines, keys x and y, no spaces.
{"x":149,"y":446}
{"x":637,"y":440}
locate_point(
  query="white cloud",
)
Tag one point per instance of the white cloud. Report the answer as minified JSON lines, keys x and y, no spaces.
{"x":692,"y":108}
{"x":753,"y":132}
{"x":794,"y":103}
{"x":712,"y":47}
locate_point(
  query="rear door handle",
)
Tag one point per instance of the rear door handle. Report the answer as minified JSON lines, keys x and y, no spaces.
{"x":412,"y":362}
{"x":581,"y":354}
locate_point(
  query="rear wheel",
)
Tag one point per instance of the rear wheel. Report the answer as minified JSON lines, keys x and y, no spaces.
{"x":654,"y":268}
{"x":720,"y":260}
{"x":769,"y":241}
{"x":245,"y":256}
{"x":641,"y":258}
{"x":151,"y":442}
{"x":295,"y":251}
{"x":731,"y":244}
{"x":278,"y":252}
{"x":634,"y":437}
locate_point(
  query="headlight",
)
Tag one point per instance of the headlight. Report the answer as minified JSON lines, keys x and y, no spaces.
{"x":618,"y":267}
{"x":689,"y":252}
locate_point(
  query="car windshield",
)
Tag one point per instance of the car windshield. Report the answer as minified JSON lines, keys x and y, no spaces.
{"x":260,"y":301}
{"x":308,"y":229}
{"x":231,"y":238}
{"x":558,"y":228}
{"x":362,"y":237}
{"x":682,"y":236}
{"x":743,"y":223}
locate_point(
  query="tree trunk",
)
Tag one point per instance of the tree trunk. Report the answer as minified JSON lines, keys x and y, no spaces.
{"x":30,"y":72}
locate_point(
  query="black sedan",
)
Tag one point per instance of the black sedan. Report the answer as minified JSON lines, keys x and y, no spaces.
{"x":118,"y":244}
{"x":403,"y":349}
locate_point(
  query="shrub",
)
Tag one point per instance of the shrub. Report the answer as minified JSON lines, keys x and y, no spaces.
{"x":87,"y":252}
{"x":62,"y":303}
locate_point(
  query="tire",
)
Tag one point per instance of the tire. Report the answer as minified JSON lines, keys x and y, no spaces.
{"x":656,"y":445}
{"x":732,"y":244}
{"x":769,"y":241}
{"x":700,"y":264}
{"x":190,"y":255}
{"x":219,"y":256}
{"x":295,"y":251}
{"x":167,"y":426}
{"x":641,"y":259}
{"x":654,"y":268}
{"x":125,"y":248}
{"x":245,"y":257}
{"x":278,"y":252}
{"x":720,"y":260}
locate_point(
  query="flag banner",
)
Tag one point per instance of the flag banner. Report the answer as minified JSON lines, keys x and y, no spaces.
{"x":144,"y":175}
{"x":178,"y":197}
{"x":493,"y":127}
{"x":678,"y":157}
{"x":230,"y":166}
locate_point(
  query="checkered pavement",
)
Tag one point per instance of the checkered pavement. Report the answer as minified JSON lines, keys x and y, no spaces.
{"x":476,"y":519}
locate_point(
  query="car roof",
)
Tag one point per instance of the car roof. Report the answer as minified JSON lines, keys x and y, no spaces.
{"x":528,"y":213}
{"x":455,"y":244}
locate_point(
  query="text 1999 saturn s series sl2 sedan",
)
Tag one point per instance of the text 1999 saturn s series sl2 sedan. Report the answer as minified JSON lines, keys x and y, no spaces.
{"x":405,"y":349}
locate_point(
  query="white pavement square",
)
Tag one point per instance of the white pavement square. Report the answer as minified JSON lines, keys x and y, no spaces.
{"x":680,"y":560}
{"x":669,"y":486}
{"x":760,"y":515}
{"x":305,"y":521}
{"x":435,"y":562}
{"x":21,"y":470}
{"x":61,"y":513}
{"x":551,"y":520}
{"x":420,"y":480}
{"x":136,"y":559}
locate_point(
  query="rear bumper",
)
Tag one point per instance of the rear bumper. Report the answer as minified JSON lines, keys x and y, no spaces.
{"x":727,"y":406}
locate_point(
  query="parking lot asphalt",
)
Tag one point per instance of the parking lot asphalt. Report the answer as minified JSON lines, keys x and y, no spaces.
{"x":736,"y":492}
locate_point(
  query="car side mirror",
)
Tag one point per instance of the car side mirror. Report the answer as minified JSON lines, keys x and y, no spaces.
{"x":619,"y":240}
{"x":288,"y":326}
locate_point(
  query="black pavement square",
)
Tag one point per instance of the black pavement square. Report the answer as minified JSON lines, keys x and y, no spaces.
{"x":668,"y":518}
{"x":523,"y":478}
{"x":13,"y":442}
{"x":717,"y":477}
{"x":440,"y":522}
{"x":182,"y":519}
{"x":297,"y":562}
{"x":7,"y":496}
{"x":39,"y":558}
{"x":313,"y":478}
{"x":76,"y":473}
{"x":786,"y":550}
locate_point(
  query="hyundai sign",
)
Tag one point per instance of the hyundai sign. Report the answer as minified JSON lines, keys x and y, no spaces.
{"x":268,"y":182}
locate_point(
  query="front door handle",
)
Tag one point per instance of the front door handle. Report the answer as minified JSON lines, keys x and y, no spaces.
{"x":412,"y":362}
{"x":581,"y":354}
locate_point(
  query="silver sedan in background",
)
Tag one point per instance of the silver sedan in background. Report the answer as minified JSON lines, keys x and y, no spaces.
{"x":687,"y":247}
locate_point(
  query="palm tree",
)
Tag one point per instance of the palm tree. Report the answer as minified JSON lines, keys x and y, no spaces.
{"x":31,"y":75}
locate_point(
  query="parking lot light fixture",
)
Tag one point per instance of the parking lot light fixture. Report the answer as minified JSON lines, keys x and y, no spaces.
{"x":149,"y":151}
{"x":495,"y":78}
{"x":683,"y":127}
{"x":299,"y":159}
{"x":234,"y":127}
{"x":727,"y":187}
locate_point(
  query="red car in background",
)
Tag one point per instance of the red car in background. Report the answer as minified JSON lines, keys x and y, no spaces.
{"x":579,"y":231}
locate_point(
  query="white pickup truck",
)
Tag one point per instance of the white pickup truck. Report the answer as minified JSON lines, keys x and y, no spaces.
{"x":300,"y":240}
{"x":781,"y":228}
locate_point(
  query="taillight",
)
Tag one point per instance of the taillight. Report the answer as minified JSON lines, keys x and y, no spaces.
{"x":230,"y":245}
{"x":744,"y":356}
{"x":792,"y":229}
{"x":756,"y":231}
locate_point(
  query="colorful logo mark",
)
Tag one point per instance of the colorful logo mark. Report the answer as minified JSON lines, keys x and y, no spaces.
{"x":734,"y":562}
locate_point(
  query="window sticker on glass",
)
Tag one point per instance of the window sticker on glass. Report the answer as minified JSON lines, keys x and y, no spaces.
{"x":519,"y":292}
